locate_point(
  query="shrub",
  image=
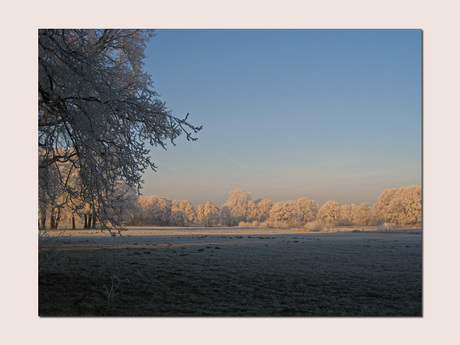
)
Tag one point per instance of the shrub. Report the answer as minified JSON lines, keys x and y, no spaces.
{"x":314,"y":226}
{"x":386,"y":226}
{"x":267,"y":224}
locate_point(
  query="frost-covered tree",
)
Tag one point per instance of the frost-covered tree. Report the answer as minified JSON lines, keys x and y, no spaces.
{"x":329,"y":213}
{"x":182,"y":213}
{"x":294,"y":213}
{"x":362,"y":214}
{"x":412,"y":200}
{"x":54,"y":203}
{"x":278,"y":211}
{"x":286,"y":212}
{"x":98,"y":111}
{"x":154,"y":210}
{"x":346,"y":214}
{"x":251,"y":211}
{"x":238,"y":203}
{"x":384,"y":208}
{"x":126,"y":205}
{"x":211,"y":213}
{"x":263,"y":209}
{"x":225,"y":216}
{"x":307,"y":210}
{"x":401,"y":206}
{"x":200,"y":214}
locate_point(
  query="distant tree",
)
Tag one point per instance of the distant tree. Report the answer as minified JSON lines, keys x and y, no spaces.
{"x":384,"y":209}
{"x":200,"y":214}
{"x":277,"y":212}
{"x":263,"y":209}
{"x":346,"y":214}
{"x":307,"y":210}
{"x":362,"y":214}
{"x":286,"y":212}
{"x":154,"y":210}
{"x":97,"y":111}
{"x":225,"y":216}
{"x":127,"y":204}
{"x":182,"y":213}
{"x":401,"y":206}
{"x":238,"y":204}
{"x":412,"y":199}
{"x":294,"y":213}
{"x":251,"y":211}
{"x":211,"y":213}
{"x":53,"y":199}
{"x":329,"y":213}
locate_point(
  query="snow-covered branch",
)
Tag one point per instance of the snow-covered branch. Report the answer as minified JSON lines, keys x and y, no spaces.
{"x":98,"y":111}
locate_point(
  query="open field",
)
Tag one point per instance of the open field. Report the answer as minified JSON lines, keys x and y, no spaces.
{"x":231,"y":272}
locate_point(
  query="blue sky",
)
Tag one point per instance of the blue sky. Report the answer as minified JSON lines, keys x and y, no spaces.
{"x":322,"y":114}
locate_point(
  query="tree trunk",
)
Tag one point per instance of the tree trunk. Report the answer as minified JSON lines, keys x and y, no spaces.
{"x":57,"y":218}
{"x":89,"y":220}
{"x":43,"y":220}
{"x":73,"y":222}
{"x":52,"y":219}
{"x":94,"y":220}
{"x":85,"y":226}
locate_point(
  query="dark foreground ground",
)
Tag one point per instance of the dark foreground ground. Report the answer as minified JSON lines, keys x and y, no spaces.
{"x":232,"y":273}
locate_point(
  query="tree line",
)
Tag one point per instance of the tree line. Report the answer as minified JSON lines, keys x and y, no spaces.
{"x":394,"y":207}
